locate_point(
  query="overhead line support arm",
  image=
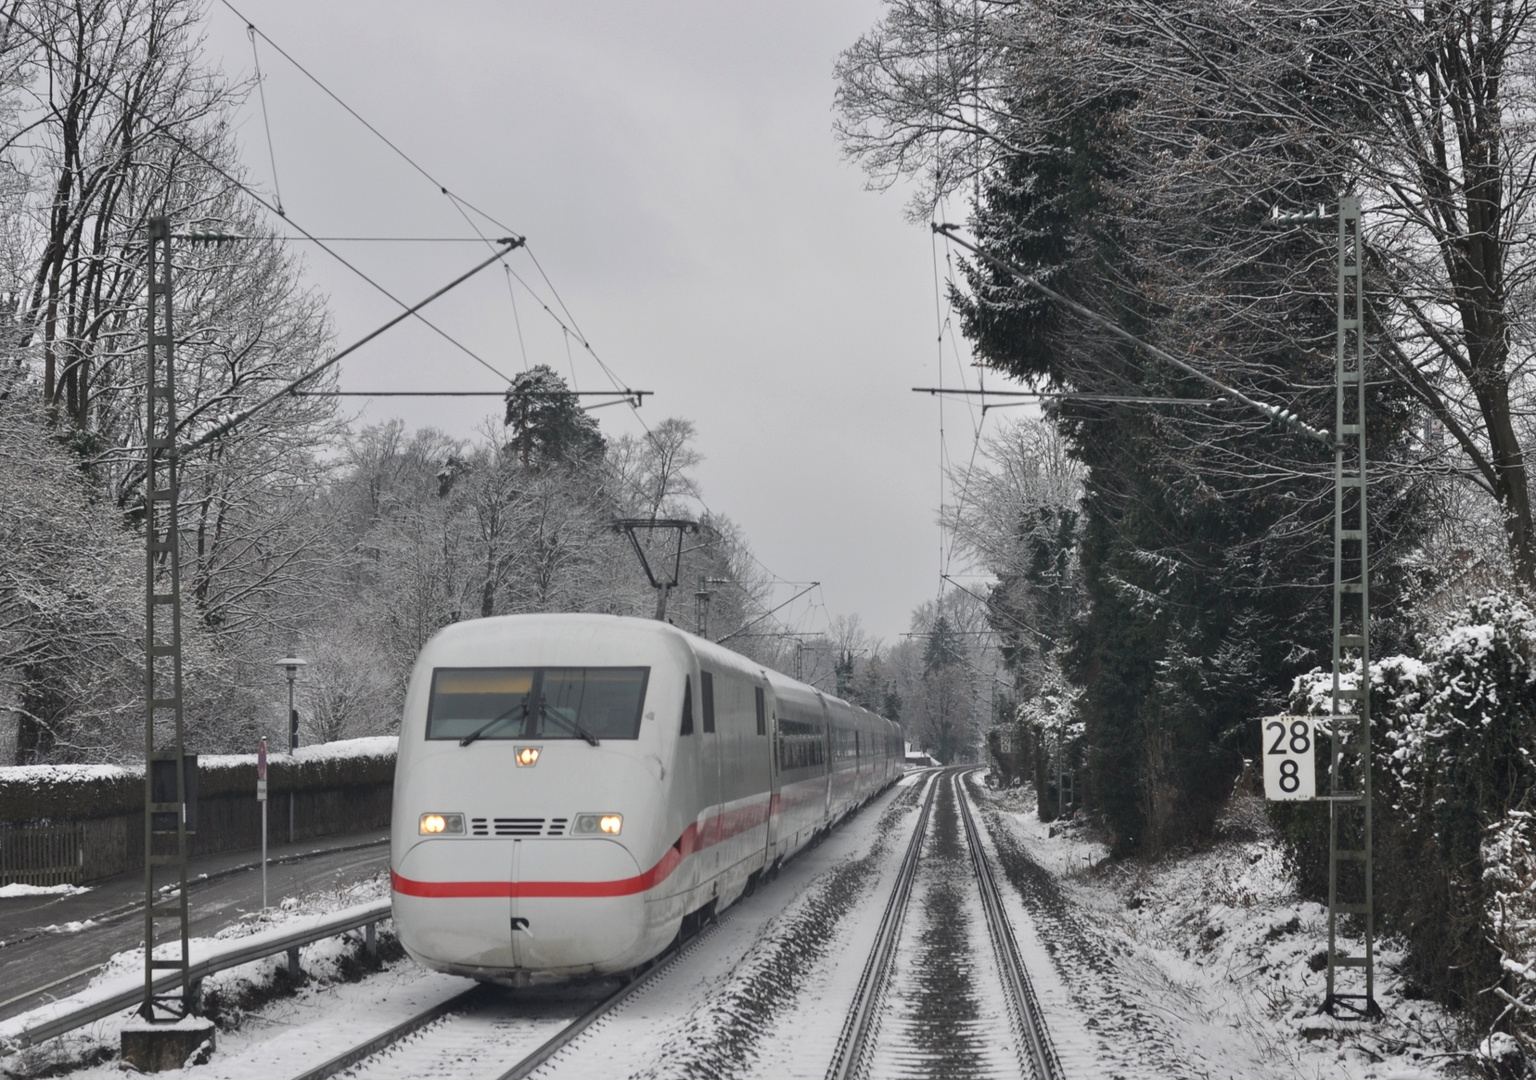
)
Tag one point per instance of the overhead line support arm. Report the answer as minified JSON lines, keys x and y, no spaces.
{"x":229,"y":425}
{"x":1270,"y":412}
{"x":767,"y":613}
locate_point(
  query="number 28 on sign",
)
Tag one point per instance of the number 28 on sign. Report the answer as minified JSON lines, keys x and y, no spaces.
{"x":1289,"y":770}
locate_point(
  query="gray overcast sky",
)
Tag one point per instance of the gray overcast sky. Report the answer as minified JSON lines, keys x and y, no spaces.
{"x":674,"y":168}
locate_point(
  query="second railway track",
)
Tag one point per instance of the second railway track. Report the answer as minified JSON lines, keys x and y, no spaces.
{"x":944,"y":991}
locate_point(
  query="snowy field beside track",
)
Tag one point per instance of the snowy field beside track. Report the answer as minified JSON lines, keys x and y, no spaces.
{"x":1196,"y":965}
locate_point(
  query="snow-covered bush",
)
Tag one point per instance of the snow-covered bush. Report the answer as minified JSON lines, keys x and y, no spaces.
{"x":1454,"y":772}
{"x":1051,"y":717}
{"x":1509,"y":874}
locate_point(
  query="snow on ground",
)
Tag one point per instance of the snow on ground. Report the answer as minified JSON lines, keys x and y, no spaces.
{"x":252,"y":1003}
{"x":1194,"y":965}
{"x":17,"y":889}
{"x":763,"y":992}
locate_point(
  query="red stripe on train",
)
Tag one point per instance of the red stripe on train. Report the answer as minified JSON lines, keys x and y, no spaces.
{"x":720,"y":827}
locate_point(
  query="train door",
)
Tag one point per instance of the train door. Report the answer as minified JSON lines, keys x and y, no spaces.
{"x":827,"y":736}
{"x":687,"y":769}
{"x":775,"y":779}
{"x":709,"y":776}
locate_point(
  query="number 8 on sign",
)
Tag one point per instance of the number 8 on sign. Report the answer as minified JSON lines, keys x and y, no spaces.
{"x":1289,"y":772}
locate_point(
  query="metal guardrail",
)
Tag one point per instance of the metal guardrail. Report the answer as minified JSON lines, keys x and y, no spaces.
{"x":243,"y":951}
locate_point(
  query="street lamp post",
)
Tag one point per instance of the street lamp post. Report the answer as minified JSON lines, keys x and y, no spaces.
{"x":291,"y":665}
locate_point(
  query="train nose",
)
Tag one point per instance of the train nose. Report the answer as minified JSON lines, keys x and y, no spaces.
{"x":577,"y":905}
{"x":487,"y":905}
{"x":452,"y":903}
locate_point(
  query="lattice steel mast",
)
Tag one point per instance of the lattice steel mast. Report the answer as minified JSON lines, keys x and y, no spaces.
{"x":1350,"y":854}
{"x":165,"y":773}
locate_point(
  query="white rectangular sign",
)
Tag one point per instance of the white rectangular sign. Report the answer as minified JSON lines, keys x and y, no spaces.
{"x":1289,"y":770}
{"x":261,"y":791}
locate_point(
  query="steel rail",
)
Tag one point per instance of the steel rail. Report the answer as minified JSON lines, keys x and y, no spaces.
{"x":531,"y":1062}
{"x":345,"y":1060}
{"x":877,"y":969}
{"x":1025,"y":1005}
{"x":470,"y":998}
{"x":557,"y":1042}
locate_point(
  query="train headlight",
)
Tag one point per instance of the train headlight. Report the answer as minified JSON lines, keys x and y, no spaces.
{"x":592,"y":824}
{"x":441,"y":824}
{"x":526,"y":756}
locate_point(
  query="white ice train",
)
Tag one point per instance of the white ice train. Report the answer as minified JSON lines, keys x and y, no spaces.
{"x":574,"y":790}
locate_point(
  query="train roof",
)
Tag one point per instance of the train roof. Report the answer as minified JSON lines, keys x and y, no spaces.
{"x":610,"y":626}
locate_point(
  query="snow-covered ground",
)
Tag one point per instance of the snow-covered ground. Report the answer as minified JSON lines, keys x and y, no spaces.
{"x":1198,"y":965}
{"x":1194,"y":965}
{"x":250,"y":1002}
{"x":758,"y":993}
{"x":16,"y":889}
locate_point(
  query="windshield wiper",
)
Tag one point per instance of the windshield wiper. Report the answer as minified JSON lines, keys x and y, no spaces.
{"x":492,"y":722}
{"x":571,"y":725}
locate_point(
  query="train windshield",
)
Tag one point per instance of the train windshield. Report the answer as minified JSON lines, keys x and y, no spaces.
{"x":536,"y":703}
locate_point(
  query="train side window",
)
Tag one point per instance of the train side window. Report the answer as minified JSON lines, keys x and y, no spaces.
{"x":687,"y":728}
{"x":707,"y":700}
{"x":762,"y":711}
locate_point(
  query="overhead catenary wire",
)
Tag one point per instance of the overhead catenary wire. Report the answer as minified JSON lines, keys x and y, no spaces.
{"x":384,"y":239}
{"x":261,"y":200}
{"x":245,"y":414}
{"x":770,"y":611}
{"x":946,"y":322}
{"x":458,"y":200}
{"x":266,"y":123}
{"x":568,"y":324}
{"x":1271,"y":412}
{"x":471,"y":393}
{"x":412,"y":311}
{"x":254,"y":29}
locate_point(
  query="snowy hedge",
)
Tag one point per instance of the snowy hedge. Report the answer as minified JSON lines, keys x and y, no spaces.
{"x":84,"y":792}
{"x":1454,"y":768}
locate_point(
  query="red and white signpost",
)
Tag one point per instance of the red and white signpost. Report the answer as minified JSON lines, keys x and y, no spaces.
{"x":261,"y":797}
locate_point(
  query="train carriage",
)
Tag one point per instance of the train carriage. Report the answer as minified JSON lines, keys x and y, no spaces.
{"x":572,"y":788}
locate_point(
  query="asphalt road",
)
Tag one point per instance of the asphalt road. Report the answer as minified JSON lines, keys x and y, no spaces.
{"x":50,"y":946}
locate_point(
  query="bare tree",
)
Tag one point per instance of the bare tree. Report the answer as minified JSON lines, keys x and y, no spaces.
{"x":1219,"y":114}
{"x":69,"y":609}
{"x":654,"y":471}
{"x":115,"y":114}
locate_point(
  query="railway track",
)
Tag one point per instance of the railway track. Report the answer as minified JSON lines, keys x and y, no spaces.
{"x":479,"y":1027}
{"x":943,"y":933}
{"x":920,"y":1008}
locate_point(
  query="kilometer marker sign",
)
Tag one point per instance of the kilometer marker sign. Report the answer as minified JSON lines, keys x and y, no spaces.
{"x":1290,"y":772}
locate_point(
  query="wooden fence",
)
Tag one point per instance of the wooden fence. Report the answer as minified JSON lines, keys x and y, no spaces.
{"x":46,"y":854}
